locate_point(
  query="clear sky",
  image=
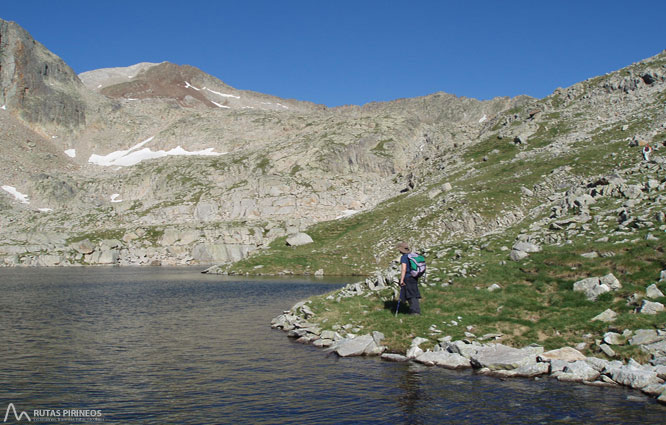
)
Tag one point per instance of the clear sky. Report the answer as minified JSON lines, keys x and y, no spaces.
{"x":352,"y":52}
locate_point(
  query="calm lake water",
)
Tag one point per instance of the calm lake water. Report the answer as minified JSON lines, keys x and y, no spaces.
{"x":173,"y":346}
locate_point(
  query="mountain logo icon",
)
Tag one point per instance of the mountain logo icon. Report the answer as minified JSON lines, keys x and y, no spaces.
{"x":18,"y":417}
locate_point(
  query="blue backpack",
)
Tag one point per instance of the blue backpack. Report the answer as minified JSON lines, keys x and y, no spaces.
{"x":417,"y":265}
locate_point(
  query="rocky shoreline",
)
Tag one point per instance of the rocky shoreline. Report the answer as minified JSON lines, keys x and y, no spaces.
{"x":565,"y":364}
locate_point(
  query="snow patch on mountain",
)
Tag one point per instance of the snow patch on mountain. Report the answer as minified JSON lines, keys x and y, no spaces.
{"x":222,"y":94}
{"x":218,"y":105}
{"x":135,"y":155}
{"x":22,"y":198}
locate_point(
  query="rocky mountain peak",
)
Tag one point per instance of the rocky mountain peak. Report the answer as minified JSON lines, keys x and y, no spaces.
{"x":36,"y":84}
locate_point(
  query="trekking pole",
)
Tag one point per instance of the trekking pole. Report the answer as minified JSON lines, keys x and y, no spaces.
{"x":399,"y":297}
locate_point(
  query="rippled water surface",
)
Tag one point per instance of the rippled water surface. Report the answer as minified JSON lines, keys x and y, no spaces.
{"x":173,"y":346}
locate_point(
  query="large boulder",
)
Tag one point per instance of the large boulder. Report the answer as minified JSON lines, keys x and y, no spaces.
{"x":299,"y":239}
{"x":83,"y":247}
{"x":498,"y":356}
{"x":651,"y":307}
{"x":353,"y":346}
{"x":591,"y":287}
{"x":607,"y":316}
{"x":578,"y":371}
{"x":646,"y":336}
{"x":566,"y":353}
{"x":443,"y":359}
{"x":653,"y":291}
{"x":633,"y":377}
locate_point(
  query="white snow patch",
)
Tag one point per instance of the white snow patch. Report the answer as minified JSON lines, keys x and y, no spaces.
{"x":133,"y":155}
{"x":483,"y":118}
{"x":219,"y":106}
{"x":279,"y":104}
{"x":130,"y":76}
{"x":71,"y":153}
{"x":3,"y":107}
{"x":54,"y":137}
{"x":114,"y":198}
{"x":222,"y":94}
{"x":247,"y":107}
{"x":347,"y":213}
{"x":188,"y":85}
{"x":45,"y":210}
{"x":17,"y":195}
{"x":99,"y":87}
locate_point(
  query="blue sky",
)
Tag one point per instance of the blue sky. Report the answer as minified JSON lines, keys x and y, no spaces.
{"x":354,"y":52}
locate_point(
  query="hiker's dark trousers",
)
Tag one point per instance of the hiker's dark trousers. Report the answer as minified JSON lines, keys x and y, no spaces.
{"x":414,"y":305}
{"x":411,"y":294}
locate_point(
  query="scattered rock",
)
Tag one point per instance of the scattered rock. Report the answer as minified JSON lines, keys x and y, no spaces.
{"x":614,"y":338}
{"x":444,"y":359}
{"x":565,"y":353}
{"x":578,"y":371}
{"x":605,"y":348}
{"x":498,"y":356}
{"x":299,"y":239}
{"x":653,"y":291}
{"x":394,"y":357}
{"x":353,"y":346}
{"x":516,"y":255}
{"x":651,"y":307}
{"x":591,"y":287}
{"x":607,"y":316}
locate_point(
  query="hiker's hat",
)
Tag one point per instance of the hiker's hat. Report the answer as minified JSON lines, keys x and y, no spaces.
{"x":404,"y":248}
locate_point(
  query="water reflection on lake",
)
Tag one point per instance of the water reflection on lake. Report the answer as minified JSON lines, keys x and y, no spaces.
{"x":173,"y":346}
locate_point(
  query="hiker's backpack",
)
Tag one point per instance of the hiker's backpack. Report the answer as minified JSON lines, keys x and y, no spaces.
{"x":417,"y":265}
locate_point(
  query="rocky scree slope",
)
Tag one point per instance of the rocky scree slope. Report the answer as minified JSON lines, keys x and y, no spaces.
{"x":165,"y":164}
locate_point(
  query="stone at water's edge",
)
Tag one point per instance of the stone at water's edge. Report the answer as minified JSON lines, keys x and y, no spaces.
{"x":353,"y":346}
{"x":394,"y":357}
{"x":444,"y":359}
{"x":565,"y":353}
{"x":500,"y":356}
{"x":578,"y":371}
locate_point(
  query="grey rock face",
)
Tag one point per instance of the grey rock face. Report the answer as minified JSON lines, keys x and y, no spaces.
{"x":37,"y":82}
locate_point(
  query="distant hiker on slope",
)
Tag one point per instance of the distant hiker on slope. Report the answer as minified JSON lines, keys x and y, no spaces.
{"x":647,"y":150}
{"x":409,"y":285}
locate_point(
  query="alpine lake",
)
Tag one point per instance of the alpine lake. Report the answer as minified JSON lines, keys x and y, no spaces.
{"x":174,"y":346}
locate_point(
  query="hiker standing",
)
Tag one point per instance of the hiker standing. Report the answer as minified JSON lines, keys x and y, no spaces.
{"x":647,"y":150}
{"x":409,"y":285}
